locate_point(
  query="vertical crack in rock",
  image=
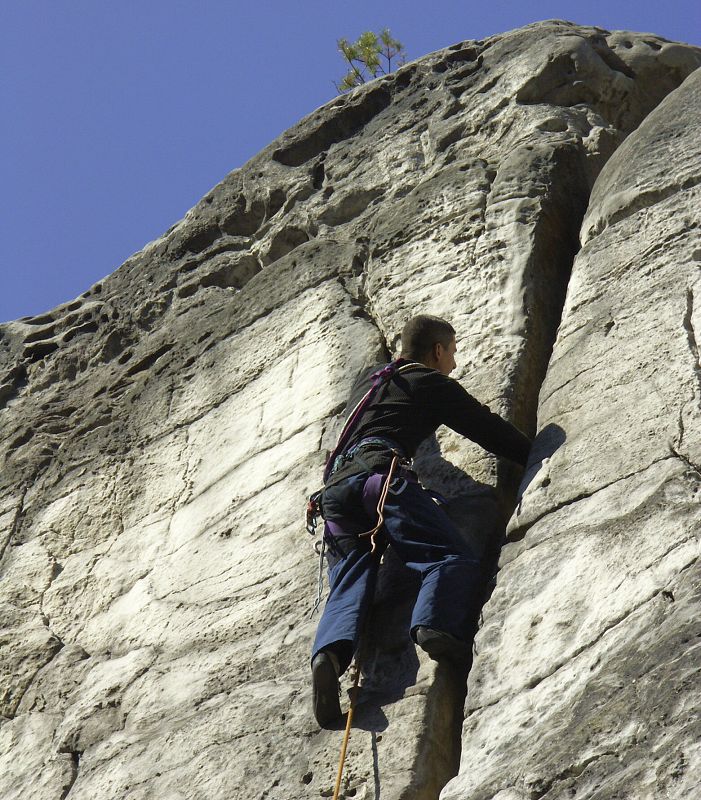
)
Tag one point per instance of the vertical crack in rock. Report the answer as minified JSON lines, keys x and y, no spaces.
{"x":545,"y":282}
{"x":556,"y":244}
{"x":544,"y":287}
{"x":73,"y":777}
{"x":354,"y":286}
{"x":675,"y":447}
{"x":688,"y":324}
{"x":16,"y":525}
{"x":53,"y":648}
{"x":439,"y":760}
{"x":562,"y":187}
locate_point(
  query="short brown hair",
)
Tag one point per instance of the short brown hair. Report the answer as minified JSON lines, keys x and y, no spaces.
{"x":423,"y":331}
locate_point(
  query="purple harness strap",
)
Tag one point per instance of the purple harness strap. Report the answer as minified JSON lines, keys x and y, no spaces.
{"x":379,"y":378}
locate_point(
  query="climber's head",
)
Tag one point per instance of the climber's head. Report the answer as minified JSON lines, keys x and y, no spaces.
{"x":430,"y":341}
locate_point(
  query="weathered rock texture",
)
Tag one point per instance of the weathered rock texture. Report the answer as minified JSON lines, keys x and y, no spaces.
{"x":590,"y":655}
{"x":159,"y":435}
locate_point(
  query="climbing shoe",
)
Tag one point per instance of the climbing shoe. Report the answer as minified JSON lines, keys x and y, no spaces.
{"x":325,"y":688}
{"x":440,"y":645}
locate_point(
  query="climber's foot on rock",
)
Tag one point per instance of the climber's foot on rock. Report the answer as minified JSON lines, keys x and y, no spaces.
{"x":442,"y":646}
{"x":325,"y":689}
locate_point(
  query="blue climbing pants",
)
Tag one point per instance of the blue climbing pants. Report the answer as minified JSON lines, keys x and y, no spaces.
{"x":423,"y":537}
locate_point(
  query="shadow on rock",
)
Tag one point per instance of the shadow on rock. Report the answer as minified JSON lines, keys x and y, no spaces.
{"x":546,"y":443}
{"x":550,"y":439}
{"x":389,"y":660}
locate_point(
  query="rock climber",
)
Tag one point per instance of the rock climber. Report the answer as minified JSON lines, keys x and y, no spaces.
{"x":413,"y":396}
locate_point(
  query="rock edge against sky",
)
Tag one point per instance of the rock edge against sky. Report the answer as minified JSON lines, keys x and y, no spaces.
{"x":540,"y":189}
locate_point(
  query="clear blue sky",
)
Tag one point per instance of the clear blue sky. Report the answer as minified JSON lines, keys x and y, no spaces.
{"x":118,"y":115}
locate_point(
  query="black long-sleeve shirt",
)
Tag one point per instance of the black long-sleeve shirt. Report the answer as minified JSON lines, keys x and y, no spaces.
{"x":413,"y":404}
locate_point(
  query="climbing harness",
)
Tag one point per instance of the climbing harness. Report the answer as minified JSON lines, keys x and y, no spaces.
{"x":341,"y":453}
{"x":338,"y":457}
{"x":320,"y":545}
{"x":379,"y":378}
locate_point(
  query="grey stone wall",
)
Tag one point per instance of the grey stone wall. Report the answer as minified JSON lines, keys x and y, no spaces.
{"x":160,"y":433}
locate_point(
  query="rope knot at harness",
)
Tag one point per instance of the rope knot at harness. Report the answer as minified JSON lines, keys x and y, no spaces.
{"x":372,"y":533}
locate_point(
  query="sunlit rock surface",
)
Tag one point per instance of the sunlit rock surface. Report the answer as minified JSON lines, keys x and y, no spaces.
{"x":590,"y":655}
{"x":160,"y":433}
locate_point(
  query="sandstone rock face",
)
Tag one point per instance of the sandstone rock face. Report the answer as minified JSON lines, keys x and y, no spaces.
{"x":160,"y":433}
{"x":590,"y":655}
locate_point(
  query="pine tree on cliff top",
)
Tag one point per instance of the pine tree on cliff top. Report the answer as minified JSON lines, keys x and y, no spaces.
{"x":369,"y":56}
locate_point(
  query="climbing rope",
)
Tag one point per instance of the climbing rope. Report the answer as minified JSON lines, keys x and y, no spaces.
{"x":357,"y":661}
{"x":346,"y":735}
{"x":381,"y":505}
